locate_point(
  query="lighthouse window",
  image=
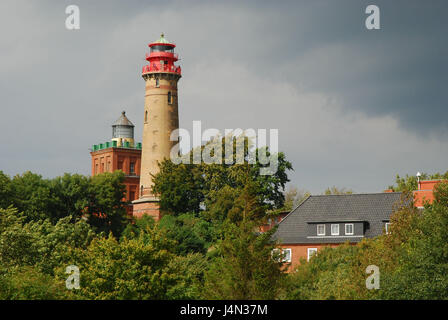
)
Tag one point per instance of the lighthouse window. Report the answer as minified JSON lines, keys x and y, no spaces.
{"x":169,"y":97}
{"x":157,"y":83}
{"x":146,"y":116}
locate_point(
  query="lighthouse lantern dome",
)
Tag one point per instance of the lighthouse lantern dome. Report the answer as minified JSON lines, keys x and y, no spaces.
{"x":123,"y":130}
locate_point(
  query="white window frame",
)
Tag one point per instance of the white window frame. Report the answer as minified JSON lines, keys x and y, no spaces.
{"x":353,"y":229}
{"x":290,"y":255}
{"x":320,"y":234}
{"x":386,"y":227}
{"x":331,"y":229}
{"x":282,"y":250}
{"x":310,"y":254}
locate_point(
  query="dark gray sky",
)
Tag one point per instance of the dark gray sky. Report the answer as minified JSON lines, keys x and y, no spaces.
{"x":353,"y":106}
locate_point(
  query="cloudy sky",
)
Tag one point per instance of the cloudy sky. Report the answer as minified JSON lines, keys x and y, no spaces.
{"x":354,"y":107}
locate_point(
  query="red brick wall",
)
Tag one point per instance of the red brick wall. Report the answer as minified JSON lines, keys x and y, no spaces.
{"x":301,"y":251}
{"x":425,"y":192}
{"x":110,"y":158}
{"x":274,"y":221}
{"x":148,"y":208}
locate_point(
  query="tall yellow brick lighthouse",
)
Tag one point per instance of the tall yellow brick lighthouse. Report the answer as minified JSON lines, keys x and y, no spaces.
{"x":160,"y":119}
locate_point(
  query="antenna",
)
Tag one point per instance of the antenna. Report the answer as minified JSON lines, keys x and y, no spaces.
{"x":418,"y":180}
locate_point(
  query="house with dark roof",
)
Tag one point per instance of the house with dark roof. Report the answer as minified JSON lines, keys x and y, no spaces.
{"x":330,"y":220}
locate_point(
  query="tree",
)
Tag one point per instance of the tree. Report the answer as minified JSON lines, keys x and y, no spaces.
{"x":5,"y":190}
{"x":40,"y":244}
{"x":198,"y":187}
{"x":137,"y":227}
{"x":244,"y":266}
{"x":328,"y":275}
{"x":31,"y":195}
{"x":27,"y":283}
{"x":97,"y":199}
{"x":191,"y":233}
{"x":441,"y":194}
{"x":412,"y":259}
{"x":293,"y":197}
{"x":409,"y":183}
{"x":190,"y":271}
{"x":180,"y":186}
{"x":17,"y":246}
{"x":71,"y":195}
{"x":128,"y":269}
{"x":336,"y":190}
{"x":105,"y":207}
{"x":422,"y":262}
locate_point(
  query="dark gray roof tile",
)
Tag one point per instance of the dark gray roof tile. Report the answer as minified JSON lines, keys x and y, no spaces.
{"x":373,"y":208}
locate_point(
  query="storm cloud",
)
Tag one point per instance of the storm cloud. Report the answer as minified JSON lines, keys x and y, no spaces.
{"x":353,"y":106}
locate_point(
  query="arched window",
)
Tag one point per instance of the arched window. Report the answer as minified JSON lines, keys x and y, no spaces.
{"x":169,"y":97}
{"x":157,"y":82}
{"x":146,"y":116}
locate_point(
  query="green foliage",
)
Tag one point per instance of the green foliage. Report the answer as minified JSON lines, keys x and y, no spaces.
{"x":16,"y":244}
{"x":106,"y":207}
{"x":70,"y":196}
{"x":412,"y":259}
{"x":207,"y":245}
{"x":336,"y":190}
{"x":181,"y":187}
{"x":128,"y":269}
{"x":244,"y":267}
{"x":441,"y":194}
{"x":137,"y":227}
{"x":422,"y":263}
{"x":48,"y":224}
{"x":211,"y":189}
{"x":409,"y":183}
{"x":190,"y":271}
{"x":327,"y":276}
{"x":293,"y":197}
{"x":29,"y":252}
{"x":97,"y":199}
{"x":27,"y":283}
{"x":39,"y":243}
{"x":5,"y":190}
{"x":191,"y":233}
{"x":32,"y":195}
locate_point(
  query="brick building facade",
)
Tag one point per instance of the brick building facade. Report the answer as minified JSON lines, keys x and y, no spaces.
{"x":121,"y":153}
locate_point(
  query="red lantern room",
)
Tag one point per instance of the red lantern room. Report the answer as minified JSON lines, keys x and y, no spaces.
{"x":162,"y":57}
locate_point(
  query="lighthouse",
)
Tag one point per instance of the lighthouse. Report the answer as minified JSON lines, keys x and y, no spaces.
{"x":160,"y":119}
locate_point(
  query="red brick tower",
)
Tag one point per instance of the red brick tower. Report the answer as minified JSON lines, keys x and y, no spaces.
{"x":121,"y":153}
